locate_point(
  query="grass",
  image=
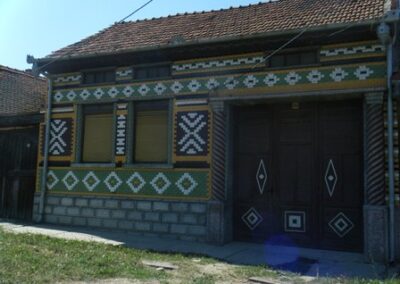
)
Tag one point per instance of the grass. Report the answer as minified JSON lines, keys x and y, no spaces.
{"x":28,"y":258}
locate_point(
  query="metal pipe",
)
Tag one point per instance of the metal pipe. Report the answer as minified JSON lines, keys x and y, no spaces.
{"x":46,"y":152}
{"x":390,"y":154}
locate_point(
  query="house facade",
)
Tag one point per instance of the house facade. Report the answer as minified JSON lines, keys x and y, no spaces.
{"x":22,"y":95}
{"x":247,"y":124}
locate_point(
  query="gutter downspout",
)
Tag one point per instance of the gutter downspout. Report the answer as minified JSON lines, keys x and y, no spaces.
{"x":390,"y":155}
{"x":46,"y":152}
{"x":384,"y":35}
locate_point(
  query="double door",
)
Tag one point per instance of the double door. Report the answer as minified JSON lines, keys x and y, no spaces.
{"x":298,"y":174}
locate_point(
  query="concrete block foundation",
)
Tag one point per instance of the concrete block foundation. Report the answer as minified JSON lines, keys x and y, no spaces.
{"x":170,"y":219}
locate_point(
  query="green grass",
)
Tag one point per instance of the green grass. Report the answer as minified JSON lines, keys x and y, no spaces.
{"x":26,"y":258}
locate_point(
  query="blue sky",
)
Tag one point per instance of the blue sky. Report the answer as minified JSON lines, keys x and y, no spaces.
{"x":38,"y":27}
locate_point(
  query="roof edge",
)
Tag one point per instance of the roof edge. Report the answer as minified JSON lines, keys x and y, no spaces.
{"x":46,"y":60}
{"x":20,"y":72}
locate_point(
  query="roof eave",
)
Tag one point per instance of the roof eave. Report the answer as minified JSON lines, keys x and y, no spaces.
{"x":46,"y":60}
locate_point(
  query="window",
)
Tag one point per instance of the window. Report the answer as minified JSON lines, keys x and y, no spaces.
{"x":152,"y":72}
{"x":98,"y":77}
{"x":97,"y":135}
{"x":293,"y":59}
{"x":151,"y":132}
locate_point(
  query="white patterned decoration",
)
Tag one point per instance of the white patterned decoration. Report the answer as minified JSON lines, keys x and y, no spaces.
{"x":192,"y":132}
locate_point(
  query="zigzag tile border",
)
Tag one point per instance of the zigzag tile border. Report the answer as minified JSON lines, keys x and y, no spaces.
{"x":213,"y":64}
{"x":268,"y":81}
{"x":67,"y":79}
{"x":120,"y":136}
{"x":144,"y":183}
{"x":124,"y":73}
{"x":360,"y":50}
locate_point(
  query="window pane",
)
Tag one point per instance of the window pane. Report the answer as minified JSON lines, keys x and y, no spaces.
{"x":89,"y":78}
{"x":141,"y":73}
{"x":110,"y":76}
{"x":100,"y":77}
{"x":164,"y":71}
{"x":293,"y":59}
{"x":97,"y":138}
{"x":151,"y":136}
{"x":308,"y":58}
{"x":277,"y":61}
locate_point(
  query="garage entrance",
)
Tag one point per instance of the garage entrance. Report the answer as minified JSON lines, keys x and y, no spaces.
{"x":298,"y":174}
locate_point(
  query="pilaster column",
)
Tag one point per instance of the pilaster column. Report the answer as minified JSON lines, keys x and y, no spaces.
{"x":216,"y":211}
{"x":375,"y":209}
{"x":375,"y":191}
{"x":218,"y":151}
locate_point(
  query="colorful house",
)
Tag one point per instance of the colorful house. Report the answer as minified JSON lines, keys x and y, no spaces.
{"x":240,"y":124}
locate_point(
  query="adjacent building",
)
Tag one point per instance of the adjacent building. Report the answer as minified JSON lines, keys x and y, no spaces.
{"x":22,"y":95}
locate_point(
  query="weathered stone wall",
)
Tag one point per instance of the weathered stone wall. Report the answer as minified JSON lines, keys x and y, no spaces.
{"x":172,"y":219}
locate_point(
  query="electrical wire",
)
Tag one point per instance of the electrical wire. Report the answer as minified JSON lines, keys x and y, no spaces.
{"x":73,"y":49}
{"x":137,"y":10}
{"x":265,"y":58}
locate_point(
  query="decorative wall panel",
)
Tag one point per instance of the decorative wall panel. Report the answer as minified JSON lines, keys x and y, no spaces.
{"x":366,"y":75}
{"x":61,"y":137}
{"x":67,"y":79}
{"x":124,"y":74}
{"x":133,"y":182}
{"x":355,"y":50}
{"x":192,"y":133}
{"x":121,"y":129}
{"x":201,"y":65}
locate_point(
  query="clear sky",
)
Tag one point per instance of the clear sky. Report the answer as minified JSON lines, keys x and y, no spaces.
{"x":38,"y":27}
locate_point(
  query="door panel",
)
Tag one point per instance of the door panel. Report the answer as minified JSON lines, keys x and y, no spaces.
{"x":341,"y":125}
{"x":310,"y":159}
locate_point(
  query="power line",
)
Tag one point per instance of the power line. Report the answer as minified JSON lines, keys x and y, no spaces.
{"x":73,"y":49}
{"x":137,"y":10}
{"x":265,"y":58}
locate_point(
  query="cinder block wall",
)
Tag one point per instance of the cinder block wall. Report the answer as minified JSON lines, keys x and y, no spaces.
{"x":170,"y":219}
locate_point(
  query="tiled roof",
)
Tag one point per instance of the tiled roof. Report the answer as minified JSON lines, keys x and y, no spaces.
{"x":281,"y":15}
{"x":20,"y":92}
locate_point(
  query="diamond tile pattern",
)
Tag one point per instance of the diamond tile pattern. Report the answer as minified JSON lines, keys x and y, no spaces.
{"x":278,"y":79}
{"x":341,"y":224}
{"x":152,"y":183}
{"x":261,"y":176}
{"x":331,"y":178}
{"x":252,"y":218}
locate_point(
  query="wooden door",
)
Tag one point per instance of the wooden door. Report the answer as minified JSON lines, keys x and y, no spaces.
{"x":298,"y":173}
{"x":18,"y":150}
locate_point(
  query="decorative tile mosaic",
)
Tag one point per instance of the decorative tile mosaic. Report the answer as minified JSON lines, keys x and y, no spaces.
{"x":60,"y":137}
{"x":213,"y":64}
{"x":315,"y":77}
{"x":151,"y":183}
{"x":360,"y":49}
{"x":120,"y":137}
{"x":67,"y":79}
{"x":125,"y":73}
{"x":192,"y":133}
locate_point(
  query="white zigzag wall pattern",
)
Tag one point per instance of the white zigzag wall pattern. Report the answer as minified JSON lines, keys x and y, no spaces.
{"x":57,"y":144}
{"x":190,"y":139}
{"x":121,"y":135}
